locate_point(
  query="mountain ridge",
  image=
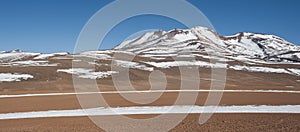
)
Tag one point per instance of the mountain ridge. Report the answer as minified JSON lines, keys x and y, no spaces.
{"x":242,"y":46}
{"x":264,"y":46}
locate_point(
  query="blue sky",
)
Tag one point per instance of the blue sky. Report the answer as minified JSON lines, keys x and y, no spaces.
{"x":54,"y":25}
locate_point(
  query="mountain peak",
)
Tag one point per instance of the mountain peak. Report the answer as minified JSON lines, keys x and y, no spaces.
{"x":13,"y":51}
{"x":202,"y":39}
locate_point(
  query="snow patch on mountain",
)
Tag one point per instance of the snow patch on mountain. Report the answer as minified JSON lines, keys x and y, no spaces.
{"x":186,"y":63}
{"x":295,"y":71}
{"x":99,"y":55}
{"x":87,"y":73}
{"x":46,"y":56}
{"x":133,"y":65}
{"x":12,"y":77}
{"x":259,"y":69}
{"x":28,"y":63}
{"x":15,"y":56}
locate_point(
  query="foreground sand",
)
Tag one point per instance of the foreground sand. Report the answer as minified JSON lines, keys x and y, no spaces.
{"x":69,"y":102}
{"x":47,"y":80}
{"x":218,"y":122}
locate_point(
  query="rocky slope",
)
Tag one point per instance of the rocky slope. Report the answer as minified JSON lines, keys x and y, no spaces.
{"x":251,"y":60}
{"x":200,"y":39}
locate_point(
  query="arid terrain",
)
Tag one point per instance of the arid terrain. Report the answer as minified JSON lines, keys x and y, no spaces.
{"x":253,"y":71}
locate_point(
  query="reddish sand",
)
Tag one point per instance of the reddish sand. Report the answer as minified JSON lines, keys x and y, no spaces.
{"x":218,"y":122}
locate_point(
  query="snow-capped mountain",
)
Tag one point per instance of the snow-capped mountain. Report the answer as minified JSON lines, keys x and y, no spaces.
{"x":18,"y":55}
{"x":201,"y":39}
{"x":245,"y":47}
{"x":265,"y":60}
{"x":244,"y":52}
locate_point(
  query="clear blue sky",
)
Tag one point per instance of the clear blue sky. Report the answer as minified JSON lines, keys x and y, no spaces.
{"x":54,"y":25}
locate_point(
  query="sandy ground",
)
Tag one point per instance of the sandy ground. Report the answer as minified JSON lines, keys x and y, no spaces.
{"x":48,"y":80}
{"x":67,"y":102}
{"x":218,"y":122}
